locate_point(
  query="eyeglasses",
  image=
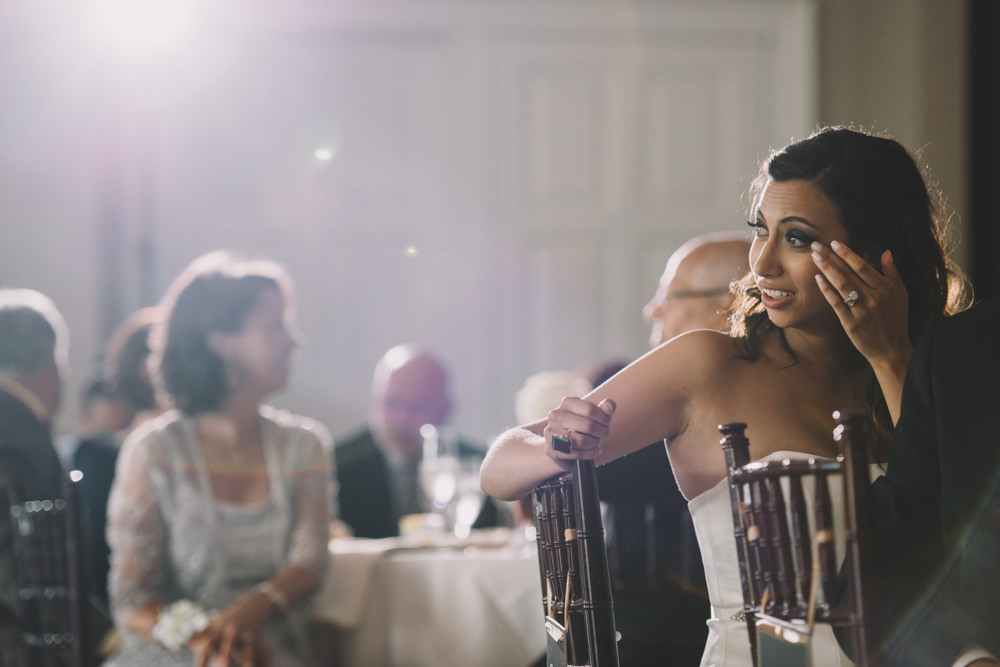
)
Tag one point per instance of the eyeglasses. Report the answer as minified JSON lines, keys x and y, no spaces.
{"x":695,"y":293}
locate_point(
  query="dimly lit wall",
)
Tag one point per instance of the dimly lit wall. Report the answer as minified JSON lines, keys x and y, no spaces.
{"x":901,"y":67}
{"x":984,"y":145}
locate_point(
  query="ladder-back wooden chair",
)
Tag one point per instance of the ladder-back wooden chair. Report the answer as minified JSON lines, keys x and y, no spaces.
{"x":785,"y":541}
{"x":576,"y":585}
{"x":49,"y":572}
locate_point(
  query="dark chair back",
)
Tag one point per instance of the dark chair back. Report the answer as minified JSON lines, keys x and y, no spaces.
{"x":49,"y":571}
{"x":573,"y":564}
{"x":788,"y":568}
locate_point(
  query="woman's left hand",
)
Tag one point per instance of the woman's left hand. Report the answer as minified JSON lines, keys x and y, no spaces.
{"x":244,"y":653}
{"x":231,"y":638}
{"x":872,"y":305}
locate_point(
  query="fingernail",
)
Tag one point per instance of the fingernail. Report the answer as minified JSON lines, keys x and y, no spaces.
{"x":836,"y":245}
{"x":817,"y":257}
{"x":816,"y":246}
{"x":819,"y":279}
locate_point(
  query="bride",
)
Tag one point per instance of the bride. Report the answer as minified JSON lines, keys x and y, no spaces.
{"x":847,"y":270}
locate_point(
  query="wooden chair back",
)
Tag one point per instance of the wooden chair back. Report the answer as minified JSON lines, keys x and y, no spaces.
{"x":49,"y":573}
{"x":573,"y":564}
{"x":786,"y":544}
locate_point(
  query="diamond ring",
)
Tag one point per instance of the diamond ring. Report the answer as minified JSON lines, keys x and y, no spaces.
{"x":852,"y":298}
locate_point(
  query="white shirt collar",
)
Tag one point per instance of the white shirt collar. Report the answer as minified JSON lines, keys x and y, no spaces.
{"x":26,"y":396}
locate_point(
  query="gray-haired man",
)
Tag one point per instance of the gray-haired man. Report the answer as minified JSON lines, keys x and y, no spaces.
{"x":33,"y":345}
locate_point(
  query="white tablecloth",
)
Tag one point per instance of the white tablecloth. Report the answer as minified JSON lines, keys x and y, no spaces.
{"x":422,"y":607}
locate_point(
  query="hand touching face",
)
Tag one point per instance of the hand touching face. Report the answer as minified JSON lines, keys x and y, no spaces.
{"x":790,"y":217}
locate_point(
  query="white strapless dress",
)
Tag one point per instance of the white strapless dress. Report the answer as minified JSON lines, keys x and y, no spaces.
{"x":728,"y":644}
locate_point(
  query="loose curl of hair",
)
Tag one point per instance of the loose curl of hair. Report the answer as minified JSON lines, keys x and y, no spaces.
{"x":215,"y":293}
{"x":885,"y":203}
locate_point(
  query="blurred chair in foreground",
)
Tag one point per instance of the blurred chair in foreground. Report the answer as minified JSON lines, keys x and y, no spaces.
{"x":52,"y":585}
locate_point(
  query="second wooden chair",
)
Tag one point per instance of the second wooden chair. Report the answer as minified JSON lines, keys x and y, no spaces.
{"x":786,"y":541}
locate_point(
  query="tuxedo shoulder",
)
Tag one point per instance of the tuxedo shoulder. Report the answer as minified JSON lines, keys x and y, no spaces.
{"x":467,"y":448}
{"x":354,"y":448}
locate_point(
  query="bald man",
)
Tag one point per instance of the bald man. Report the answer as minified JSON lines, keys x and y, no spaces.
{"x":659,"y":584}
{"x":409,"y":389}
{"x":694,"y":289}
{"x":377,"y":467}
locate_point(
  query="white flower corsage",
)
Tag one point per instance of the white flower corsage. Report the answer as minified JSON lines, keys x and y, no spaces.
{"x":177,"y":622}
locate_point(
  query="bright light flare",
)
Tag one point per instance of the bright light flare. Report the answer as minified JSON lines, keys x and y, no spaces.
{"x":324,"y":154}
{"x":145,"y":28}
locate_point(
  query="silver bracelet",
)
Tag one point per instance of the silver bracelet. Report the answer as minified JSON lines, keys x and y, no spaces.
{"x":274,"y":596}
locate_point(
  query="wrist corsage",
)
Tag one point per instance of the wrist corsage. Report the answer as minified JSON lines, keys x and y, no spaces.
{"x":177,"y":622}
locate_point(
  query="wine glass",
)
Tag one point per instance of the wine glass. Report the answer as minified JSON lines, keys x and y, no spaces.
{"x":439,"y":471}
{"x":468,"y":498}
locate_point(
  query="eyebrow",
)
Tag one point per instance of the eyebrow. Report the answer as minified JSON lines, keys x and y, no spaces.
{"x":790,"y":218}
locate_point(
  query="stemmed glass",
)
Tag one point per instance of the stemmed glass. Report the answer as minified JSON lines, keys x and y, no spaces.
{"x":439,"y":472}
{"x":468,"y":498}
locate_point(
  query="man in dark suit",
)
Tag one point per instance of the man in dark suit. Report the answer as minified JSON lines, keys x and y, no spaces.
{"x":661,"y":600}
{"x":936,"y":508}
{"x":33,"y":341}
{"x":377,"y":469}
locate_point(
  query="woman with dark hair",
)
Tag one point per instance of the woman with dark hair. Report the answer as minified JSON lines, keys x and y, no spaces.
{"x":127,"y":364}
{"x":125,"y":384}
{"x":219,"y":513}
{"x":847,"y":270}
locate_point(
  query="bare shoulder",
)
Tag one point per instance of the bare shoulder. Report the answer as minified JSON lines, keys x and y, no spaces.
{"x":702,"y":352}
{"x":679,"y":368}
{"x":710,"y":342}
{"x":661,"y":394}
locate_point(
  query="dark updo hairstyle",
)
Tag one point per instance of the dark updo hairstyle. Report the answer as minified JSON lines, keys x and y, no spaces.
{"x":884,"y":204}
{"x":126,"y":361}
{"x":215,"y":293}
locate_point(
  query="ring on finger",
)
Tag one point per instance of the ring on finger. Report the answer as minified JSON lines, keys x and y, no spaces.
{"x":852,"y":298}
{"x":562,"y":443}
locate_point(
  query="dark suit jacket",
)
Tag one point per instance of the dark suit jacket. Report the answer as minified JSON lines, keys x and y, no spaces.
{"x":364,"y":493}
{"x":935,"y":509}
{"x":29,"y":469}
{"x":96,"y":456}
{"x":657,"y":578}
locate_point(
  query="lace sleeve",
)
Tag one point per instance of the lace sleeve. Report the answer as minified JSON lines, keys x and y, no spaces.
{"x":136,"y":530}
{"x":310,"y":534}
